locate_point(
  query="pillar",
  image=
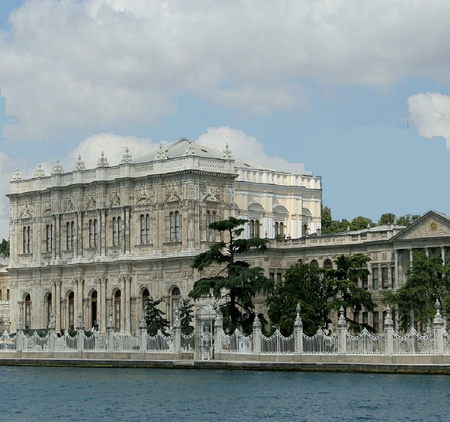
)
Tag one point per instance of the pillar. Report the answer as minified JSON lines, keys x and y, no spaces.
{"x":256,"y":335}
{"x":58,"y":304}
{"x":102,"y":227}
{"x":342,"y":328}
{"x":298,"y":332}
{"x":395,"y":286}
{"x":389,"y":328}
{"x":438,"y":328}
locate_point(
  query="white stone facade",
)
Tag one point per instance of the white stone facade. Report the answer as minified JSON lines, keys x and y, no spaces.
{"x":92,"y":242}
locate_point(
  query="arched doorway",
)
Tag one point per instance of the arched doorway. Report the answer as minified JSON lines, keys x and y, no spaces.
{"x":94,"y":321}
{"x":117,"y":310}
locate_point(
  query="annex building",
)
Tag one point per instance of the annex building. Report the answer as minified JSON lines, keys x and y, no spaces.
{"x":97,"y":242}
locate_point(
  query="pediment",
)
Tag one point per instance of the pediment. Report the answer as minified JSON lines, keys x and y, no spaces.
{"x":432,"y":224}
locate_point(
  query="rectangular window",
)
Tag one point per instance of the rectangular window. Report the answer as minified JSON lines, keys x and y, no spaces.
{"x":376,"y":322}
{"x":393,"y":276}
{"x":365,"y":282}
{"x":7,"y":294}
{"x":69,"y":236}
{"x":26,"y":239}
{"x":117,"y":231}
{"x":365,"y":318}
{"x":278,"y":279}
{"x":272,"y":276}
{"x":210,"y":218}
{"x":175,"y":226}
{"x":48,"y":235}
{"x":375,"y":278}
{"x":384,"y":277}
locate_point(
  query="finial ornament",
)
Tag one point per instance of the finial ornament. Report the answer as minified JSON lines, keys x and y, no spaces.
{"x":58,"y":169}
{"x":227,"y":153}
{"x":190,"y":150}
{"x":17,"y":175}
{"x":79,"y":165}
{"x":102,"y":161}
{"x":161,"y":155}
{"x":127,"y":158}
{"x":40,"y":172}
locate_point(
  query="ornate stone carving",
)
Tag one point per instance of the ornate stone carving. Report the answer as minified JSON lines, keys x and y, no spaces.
{"x":91,"y":203}
{"x":47,"y":210}
{"x":40,"y":172}
{"x":114,"y":200}
{"x":17,"y":175}
{"x":79,"y":165}
{"x":68,"y":205}
{"x":58,"y":169}
{"x":26,"y":212}
{"x":127,"y":158}
{"x":430,"y":228}
{"x":161,"y":155}
{"x":211,"y":194}
{"x":102,"y":161}
{"x":190,"y":150}
{"x":173,"y":194}
{"x":143,"y":198}
{"x":227,"y":153}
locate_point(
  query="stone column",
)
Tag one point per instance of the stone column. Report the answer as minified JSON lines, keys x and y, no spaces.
{"x":102,"y":305}
{"x":80,"y":337}
{"x":75,"y":235}
{"x":123,"y":237}
{"x":58,"y":236}
{"x":58,"y":304}
{"x":143,"y":333}
{"x":127,"y":230}
{"x":411,"y":258}
{"x":395,"y":286}
{"x":256,"y":336}
{"x":110,"y":331}
{"x":389,"y":328}
{"x":51,"y":333}
{"x":177,"y":336}
{"x":102,"y":232}
{"x":80,"y":234}
{"x":53,"y":236}
{"x":342,"y":328}
{"x":298,"y":332}
{"x":127,"y":303}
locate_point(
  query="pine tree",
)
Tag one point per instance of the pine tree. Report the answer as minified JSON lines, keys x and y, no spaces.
{"x":186,"y":315}
{"x":154,"y":317}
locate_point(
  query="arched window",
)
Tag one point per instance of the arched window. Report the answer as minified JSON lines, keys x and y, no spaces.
{"x":69,"y":235}
{"x":175,"y":299}
{"x":49,"y":308}
{"x":254,"y":228}
{"x":279,"y":229}
{"x":71,"y":310}
{"x":26,"y":237}
{"x":175,"y":223}
{"x":117,"y":303}
{"x":304,"y":230}
{"x":145,"y":296}
{"x":93,"y":233}
{"x":48,"y":237}
{"x":27,"y":311}
{"x":327,"y":264}
{"x":145,"y":229}
{"x":94,"y":308}
{"x":314,"y":263}
{"x":117,"y":230}
{"x":210,"y":218}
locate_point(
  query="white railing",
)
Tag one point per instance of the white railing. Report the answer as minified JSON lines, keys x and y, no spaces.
{"x":237,"y":342}
{"x":413,"y":343}
{"x":365,"y":343}
{"x":187,"y":342}
{"x":320,"y":343}
{"x":126,"y":342}
{"x":159,"y":343}
{"x":277,"y":343}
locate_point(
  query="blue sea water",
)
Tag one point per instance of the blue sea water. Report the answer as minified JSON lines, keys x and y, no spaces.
{"x":116,"y":394}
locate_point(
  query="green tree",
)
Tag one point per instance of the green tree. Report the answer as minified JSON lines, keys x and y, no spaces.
{"x":345,"y":292}
{"x":4,"y":247}
{"x":387,"y":218}
{"x":321,"y":292}
{"x":407,"y":220}
{"x":361,"y":223}
{"x":305,"y":284}
{"x":186,"y":316}
{"x":154,"y":317}
{"x":428,"y":280}
{"x":236,"y":283}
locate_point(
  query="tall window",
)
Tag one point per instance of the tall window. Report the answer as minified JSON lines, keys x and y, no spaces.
{"x":279,"y":229}
{"x":175,"y":226}
{"x":48,"y":237}
{"x":384,"y":277}
{"x":210,"y":218}
{"x":69,"y":235}
{"x":175,"y":302}
{"x":27,"y":311}
{"x":71,"y":310}
{"x":375,"y":278}
{"x":304,"y":230}
{"x":145,"y":296}
{"x":117,"y":299}
{"x":49,"y":308}
{"x":376,"y":321}
{"x":93,"y":233}
{"x":393,"y":276}
{"x":26,"y":239}
{"x":94,"y":307}
{"x":117,"y":231}
{"x":145,"y":229}
{"x":254,"y":228}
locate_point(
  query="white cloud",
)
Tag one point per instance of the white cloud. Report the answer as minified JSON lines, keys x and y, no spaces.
{"x":430,"y":114}
{"x":6,"y":170}
{"x":94,"y":64}
{"x":246,"y":147}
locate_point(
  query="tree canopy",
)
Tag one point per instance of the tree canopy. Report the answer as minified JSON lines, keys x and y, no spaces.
{"x":235,"y":283}
{"x":186,"y":316}
{"x":321,"y":292}
{"x":428,"y":280}
{"x":154,"y":318}
{"x":4,"y":247}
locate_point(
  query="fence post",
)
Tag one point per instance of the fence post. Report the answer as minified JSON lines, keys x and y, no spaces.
{"x":218,"y":328}
{"x":110,"y":331}
{"x":143,"y":333}
{"x":80,"y":337}
{"x":298,"y":332}
{"x":438,"y":328}
{"x":19,"y":340}
{"x":389,"y":328}
{"x":342,"y":328}
{"x":256,"y":335}
{"x":51,"y":333}
{"x":177,"y":334}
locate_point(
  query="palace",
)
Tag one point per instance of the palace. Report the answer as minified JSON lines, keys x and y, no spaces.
{"x":90,"y":241}
{"x":97,"y":242}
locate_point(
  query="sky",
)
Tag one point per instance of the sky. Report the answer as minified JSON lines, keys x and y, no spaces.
{"x":356,"y":92}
